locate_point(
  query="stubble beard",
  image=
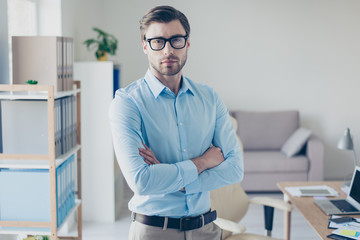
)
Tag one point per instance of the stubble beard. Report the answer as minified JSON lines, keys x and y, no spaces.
{"x":170,"y":70}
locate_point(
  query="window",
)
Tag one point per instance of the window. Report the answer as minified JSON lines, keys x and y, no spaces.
{"x":32,"y":18}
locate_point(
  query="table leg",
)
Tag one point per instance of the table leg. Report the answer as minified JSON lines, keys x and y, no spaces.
{"x":287,"y":221}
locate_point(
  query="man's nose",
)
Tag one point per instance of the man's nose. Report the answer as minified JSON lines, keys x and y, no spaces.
{"x":168,"y":49}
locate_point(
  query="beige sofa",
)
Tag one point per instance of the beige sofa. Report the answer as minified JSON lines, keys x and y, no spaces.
{"x":277,"y":149}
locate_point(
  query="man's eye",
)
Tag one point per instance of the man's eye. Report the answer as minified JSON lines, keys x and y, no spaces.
{"x":175,"y":40}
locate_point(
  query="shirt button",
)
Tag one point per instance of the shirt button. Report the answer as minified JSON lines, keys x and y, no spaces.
{"x":180,"y":124}
{"x":184,"y":150}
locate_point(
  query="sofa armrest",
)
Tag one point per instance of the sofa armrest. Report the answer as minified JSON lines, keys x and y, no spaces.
{"x":315,"y":154}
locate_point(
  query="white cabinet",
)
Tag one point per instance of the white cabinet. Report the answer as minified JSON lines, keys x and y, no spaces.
{"x":99,"y":176}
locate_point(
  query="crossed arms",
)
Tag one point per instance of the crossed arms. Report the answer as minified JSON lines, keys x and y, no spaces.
{"x":216,"y":167}
{"x":211,"y":158}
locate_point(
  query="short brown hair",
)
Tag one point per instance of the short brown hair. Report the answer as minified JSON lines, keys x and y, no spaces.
{"x":163,"y":14}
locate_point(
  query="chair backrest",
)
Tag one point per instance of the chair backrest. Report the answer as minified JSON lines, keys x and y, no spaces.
{"x":235,"y":125}
{"x":230,"y":202}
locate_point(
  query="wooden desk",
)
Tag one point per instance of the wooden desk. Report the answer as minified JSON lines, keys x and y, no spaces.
{"x":306,"y":206}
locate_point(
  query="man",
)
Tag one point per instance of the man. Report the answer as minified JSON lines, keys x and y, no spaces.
{"x":164,"y":126}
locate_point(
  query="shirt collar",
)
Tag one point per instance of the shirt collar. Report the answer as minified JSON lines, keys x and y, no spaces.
{"x":154,"y":84}
{"x":186,"y":86}
{"x":157,"y":87}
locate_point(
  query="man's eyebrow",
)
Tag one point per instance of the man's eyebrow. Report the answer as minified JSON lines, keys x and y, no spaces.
{"x":176,"y":35}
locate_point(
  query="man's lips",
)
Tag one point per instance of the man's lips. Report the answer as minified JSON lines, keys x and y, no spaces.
{"x":169,"y":61}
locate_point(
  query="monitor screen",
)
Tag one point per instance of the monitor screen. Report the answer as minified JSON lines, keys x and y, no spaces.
{"x":355,"y":188}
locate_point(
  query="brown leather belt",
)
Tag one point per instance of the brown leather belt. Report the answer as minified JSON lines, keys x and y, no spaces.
{"x":184,"y":224}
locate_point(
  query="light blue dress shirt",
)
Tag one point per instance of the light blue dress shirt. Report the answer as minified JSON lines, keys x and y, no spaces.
{"x":177,"y":129}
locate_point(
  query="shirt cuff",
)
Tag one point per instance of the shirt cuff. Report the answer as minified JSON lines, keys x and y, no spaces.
{"x":193,"y":187}
{"x":188,"y":171}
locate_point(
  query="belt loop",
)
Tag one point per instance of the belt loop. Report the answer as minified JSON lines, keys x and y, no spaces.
{"x":203,"y":220}
{"x":133,"y":216}
{"x":165,"y":223}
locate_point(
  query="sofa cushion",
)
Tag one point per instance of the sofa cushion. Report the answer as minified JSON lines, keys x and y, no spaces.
{"x":265,"y":130}
{"x":274,"y":161}
{"x":296,"y":141}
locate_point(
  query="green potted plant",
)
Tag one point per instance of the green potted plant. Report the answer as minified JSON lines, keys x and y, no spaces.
{"x":106,"y":44}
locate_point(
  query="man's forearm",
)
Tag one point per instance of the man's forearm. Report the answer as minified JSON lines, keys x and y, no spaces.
{"x":199,"y":164}
{"x":228,"y":172}
{"x":211,"y":158}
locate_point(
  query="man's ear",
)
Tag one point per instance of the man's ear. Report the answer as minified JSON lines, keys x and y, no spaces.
{"x":144,"y":46}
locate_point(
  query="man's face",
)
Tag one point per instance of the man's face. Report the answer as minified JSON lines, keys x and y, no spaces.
{"x":167,"y":61}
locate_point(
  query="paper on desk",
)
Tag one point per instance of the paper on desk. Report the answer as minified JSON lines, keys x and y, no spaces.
{"x":318,"y":190}
{"x":344,"y":225}
{"x":348,"y":232}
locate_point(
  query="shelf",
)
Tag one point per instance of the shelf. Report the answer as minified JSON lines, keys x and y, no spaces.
{"x":37,"y":164}
{"x":40,"y":231}
{"x":46,"y":113}
{"x":34,"y":95}
{"x":62,"y":158}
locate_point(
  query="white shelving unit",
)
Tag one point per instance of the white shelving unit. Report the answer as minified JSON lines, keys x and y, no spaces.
{"x":45,"y":161}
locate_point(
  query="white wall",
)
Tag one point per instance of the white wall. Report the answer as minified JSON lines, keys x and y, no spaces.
{"x":257,"y":54}
{"x":49,"y":17}
{"x":4,"y":45}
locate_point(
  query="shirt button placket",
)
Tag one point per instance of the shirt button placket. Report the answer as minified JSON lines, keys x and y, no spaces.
{"x":181,"y":129}
{"x":189,"y":205}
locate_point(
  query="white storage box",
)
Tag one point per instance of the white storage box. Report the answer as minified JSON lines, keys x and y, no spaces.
{"x":24,"y":195}
{"x":24,"y":127}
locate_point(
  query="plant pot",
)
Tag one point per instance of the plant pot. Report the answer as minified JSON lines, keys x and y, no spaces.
{"x":102,"y":56}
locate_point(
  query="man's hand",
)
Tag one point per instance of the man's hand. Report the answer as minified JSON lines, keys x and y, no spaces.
{"x":211,"y":158}
{"x":148,"y":155}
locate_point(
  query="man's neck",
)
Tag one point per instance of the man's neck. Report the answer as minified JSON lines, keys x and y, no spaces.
{"x":172,"y":82}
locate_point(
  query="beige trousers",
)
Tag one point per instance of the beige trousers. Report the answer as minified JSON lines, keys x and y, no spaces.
{"x":139,"y":231}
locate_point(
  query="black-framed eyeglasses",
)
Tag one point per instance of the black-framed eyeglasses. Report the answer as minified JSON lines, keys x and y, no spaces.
{"x":176,"y":42}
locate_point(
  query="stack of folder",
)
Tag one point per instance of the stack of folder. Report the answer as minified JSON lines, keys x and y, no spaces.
{"x":65,"y":188}
{"x":65,"y":124}
{"x":46,"y":59}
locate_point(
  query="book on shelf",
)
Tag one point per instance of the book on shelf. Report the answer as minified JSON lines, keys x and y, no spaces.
{"x":67,"y":62}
